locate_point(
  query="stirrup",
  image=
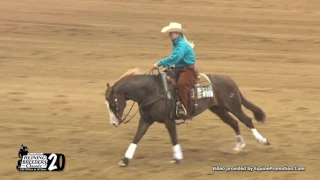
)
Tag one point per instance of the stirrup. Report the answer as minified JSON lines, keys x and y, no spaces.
{"x":184,"y":110}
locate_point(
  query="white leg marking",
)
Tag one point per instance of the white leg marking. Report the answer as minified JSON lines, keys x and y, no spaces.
{"x":130,"y":152}
{"x":259,"y":137}
{"x":177,"y":153}
{"x":240,"y":143}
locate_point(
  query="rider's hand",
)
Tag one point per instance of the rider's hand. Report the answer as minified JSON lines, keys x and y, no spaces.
{"x":155,"y":66}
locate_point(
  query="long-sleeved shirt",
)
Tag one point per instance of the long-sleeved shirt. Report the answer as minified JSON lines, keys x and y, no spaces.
{"x":182,"y":55}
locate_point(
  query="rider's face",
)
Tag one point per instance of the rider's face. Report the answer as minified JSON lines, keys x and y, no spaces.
{"x":173,"y":35}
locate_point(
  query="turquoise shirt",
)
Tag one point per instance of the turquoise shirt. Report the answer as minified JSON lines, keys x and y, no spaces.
{"x":182,"y":55}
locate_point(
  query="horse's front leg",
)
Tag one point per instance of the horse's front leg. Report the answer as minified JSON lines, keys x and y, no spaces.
{"x":177,"y":153}
{"x":142,"y":129}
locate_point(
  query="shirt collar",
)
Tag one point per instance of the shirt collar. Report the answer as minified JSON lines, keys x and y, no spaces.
{"x":177,"y":40}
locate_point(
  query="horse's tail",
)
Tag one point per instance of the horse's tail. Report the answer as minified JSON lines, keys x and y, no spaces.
{"x":258,"y":113}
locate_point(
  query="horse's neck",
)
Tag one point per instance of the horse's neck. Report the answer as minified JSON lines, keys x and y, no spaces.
{"x":136,"y":88}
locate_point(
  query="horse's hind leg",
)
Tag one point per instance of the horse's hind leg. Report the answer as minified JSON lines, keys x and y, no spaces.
{"x":228,"y":119}
{"x":234,"y":106}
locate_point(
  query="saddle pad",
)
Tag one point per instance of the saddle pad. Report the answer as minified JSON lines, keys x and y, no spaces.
{"x":204,"y":92}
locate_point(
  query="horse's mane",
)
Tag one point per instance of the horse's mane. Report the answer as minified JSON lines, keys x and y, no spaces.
{"x":130,"y":72}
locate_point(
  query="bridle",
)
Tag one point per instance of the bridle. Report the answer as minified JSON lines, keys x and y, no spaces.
{"x":117,"y":112}
{"x":141,"y":104}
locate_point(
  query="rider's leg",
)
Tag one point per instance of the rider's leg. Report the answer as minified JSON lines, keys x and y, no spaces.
{"x":185,"y":81}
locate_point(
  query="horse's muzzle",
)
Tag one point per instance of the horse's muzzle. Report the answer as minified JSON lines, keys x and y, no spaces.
{"x":115,"y":122}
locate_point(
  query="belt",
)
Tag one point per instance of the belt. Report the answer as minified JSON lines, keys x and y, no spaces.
{"x":186,"y":67}
{"x":191,"y":66}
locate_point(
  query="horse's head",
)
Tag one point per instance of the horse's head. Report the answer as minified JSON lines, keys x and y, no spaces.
{"x":116,"y":104}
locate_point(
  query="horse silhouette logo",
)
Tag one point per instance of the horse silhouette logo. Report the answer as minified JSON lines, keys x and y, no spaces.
{"x":23,"y":151}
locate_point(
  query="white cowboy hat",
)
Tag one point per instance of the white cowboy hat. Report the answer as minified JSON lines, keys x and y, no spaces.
{"x":174,"y":27}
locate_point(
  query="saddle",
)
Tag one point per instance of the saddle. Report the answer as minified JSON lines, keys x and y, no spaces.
{"x":201,"y":89}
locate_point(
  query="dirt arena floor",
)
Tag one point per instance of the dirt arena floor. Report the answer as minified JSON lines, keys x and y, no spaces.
{"x":57,"y":56}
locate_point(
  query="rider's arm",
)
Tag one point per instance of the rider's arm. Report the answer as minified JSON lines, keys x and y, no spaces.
{"x":176,"y":55}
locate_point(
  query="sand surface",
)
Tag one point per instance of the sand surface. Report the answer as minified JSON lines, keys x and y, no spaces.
{"x":57,"y":56}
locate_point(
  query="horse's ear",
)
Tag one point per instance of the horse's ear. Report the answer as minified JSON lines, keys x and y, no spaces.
{"x":108,"y":85}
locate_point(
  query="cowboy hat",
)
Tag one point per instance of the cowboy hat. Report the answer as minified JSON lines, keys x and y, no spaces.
{"x":174,"y":27}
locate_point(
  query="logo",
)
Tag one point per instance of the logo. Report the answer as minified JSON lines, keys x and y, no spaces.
{"x":40,"y":161}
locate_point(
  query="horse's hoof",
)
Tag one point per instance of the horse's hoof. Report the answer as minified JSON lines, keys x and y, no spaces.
{"x":239,"y":147}
{"x":236,"y":149}
{"x":124,"y":162}
{"x":267,"y":142}
{"x":175,"y":161}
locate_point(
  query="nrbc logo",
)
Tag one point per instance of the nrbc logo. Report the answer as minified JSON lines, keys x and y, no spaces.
{"x":40,"y":161}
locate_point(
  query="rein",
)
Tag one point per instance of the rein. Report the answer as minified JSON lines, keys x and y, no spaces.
{"x":124,"y":119}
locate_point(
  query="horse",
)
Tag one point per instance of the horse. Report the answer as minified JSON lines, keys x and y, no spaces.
{"x":152,"y":94}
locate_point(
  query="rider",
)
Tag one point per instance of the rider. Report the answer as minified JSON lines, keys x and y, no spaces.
{"x":183,"y":58}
